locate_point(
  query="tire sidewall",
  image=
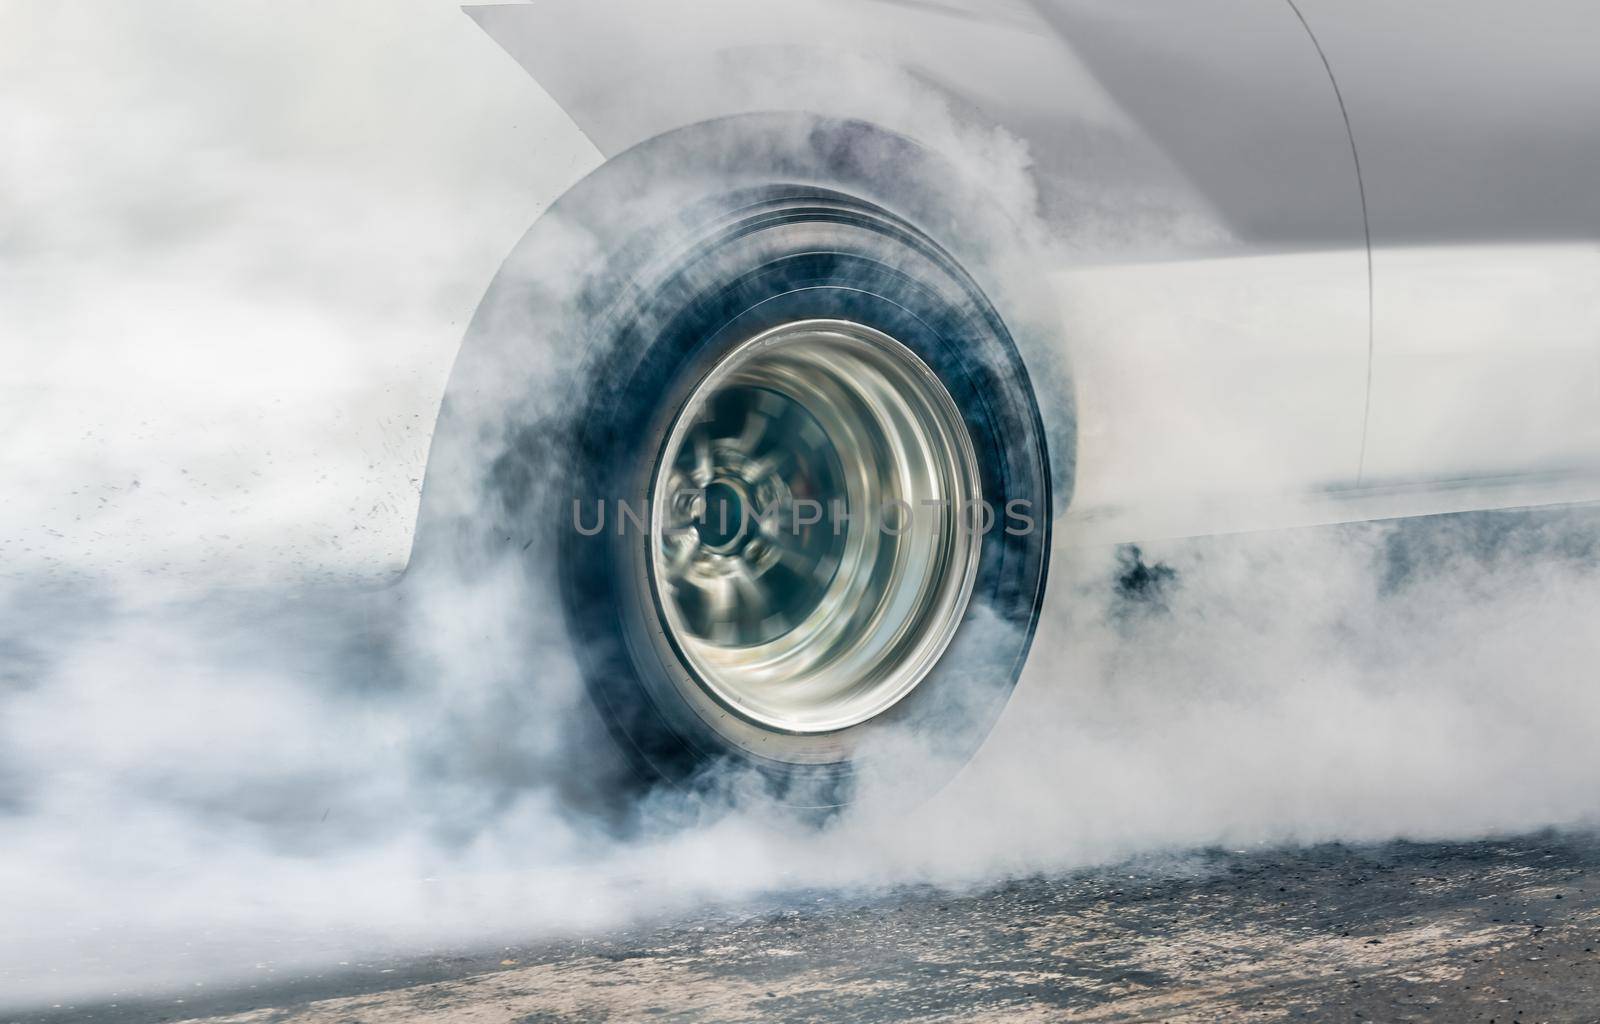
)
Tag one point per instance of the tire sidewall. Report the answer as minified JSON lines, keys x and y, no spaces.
{"x":645,"y":304}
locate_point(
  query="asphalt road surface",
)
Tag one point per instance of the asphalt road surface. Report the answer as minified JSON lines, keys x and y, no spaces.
{"x":1504,"y":931}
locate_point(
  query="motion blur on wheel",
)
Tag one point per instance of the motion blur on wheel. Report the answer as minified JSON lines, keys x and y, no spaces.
{"x":789,"y":479}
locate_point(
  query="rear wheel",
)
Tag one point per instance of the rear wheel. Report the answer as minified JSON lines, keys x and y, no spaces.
{"x":794,"y":472}
{"x":826,"y":428}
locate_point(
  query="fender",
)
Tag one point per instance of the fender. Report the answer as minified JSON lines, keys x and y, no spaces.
{"x":1189,"y":150}
{"x":994,"y":88}
{"x":1205,"y":126}
{"x":627,"y":71}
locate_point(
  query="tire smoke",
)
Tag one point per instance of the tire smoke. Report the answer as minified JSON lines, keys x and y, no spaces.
{"x":220,"y":757}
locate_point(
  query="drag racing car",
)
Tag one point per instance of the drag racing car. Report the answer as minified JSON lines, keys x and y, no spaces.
{"x":879,"y":307}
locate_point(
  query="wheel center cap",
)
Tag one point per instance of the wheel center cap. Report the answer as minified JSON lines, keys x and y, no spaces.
{"x":724,"y":522}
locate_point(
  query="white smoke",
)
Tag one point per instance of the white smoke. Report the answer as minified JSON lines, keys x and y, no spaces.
{"x":226,"y":277}
{"x":257,"y":781}
{"x":241,"y":245}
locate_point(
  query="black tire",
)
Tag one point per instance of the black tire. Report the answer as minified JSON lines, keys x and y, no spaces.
{"x":684,"y":256}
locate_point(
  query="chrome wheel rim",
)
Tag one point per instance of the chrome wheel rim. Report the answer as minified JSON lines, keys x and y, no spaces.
{"x":814,"y":530}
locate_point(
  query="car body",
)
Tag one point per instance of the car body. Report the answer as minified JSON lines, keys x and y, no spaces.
{"x":1372,"y":229}
{"x":1158,"y":269}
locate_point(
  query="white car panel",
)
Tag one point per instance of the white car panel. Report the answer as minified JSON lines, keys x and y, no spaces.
{"x":1203,"y":379}
{"x":1486,"y":362}
{"x":1271,"y":345}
